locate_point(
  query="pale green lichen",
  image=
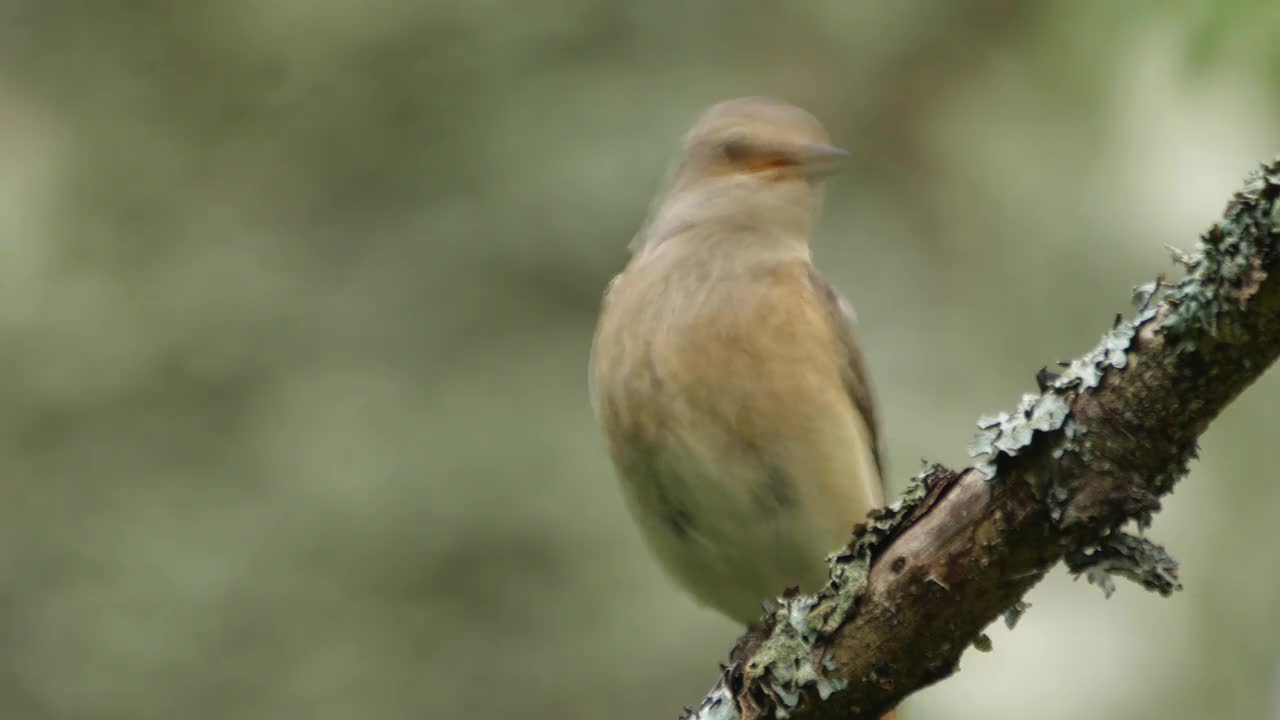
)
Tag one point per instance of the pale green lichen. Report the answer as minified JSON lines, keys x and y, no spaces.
{"x":1101,"y":578}
{"x":717,"y":705}
{"x":1128,"y":556}
{"x":1144,"y":294}
{"x":1112,"y":351}
{"x":1015,"y":613}
{"x":1070,"y":431}
{"x":1007,"y":434}
{"x":783,"y":664}
{"x":1227,"y":265}
{"x":1225,"y":271}
{"x":850,"y":566}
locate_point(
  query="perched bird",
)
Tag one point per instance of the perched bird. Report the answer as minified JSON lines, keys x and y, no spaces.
{"x":726,"y":373}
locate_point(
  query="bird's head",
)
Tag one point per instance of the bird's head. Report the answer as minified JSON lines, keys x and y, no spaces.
{"x":751,"y":162}
{"x":758,"y":140}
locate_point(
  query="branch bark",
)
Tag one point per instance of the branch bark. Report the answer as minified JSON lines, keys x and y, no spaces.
{"x":1061,"y":476}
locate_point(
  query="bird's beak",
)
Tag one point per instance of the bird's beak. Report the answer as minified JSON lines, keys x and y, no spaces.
{"x":821,"y":159}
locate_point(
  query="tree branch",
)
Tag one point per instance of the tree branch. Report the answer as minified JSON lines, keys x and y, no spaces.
{"x":1060,"y":476}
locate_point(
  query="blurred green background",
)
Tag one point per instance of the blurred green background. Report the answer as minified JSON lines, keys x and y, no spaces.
{"x":295,"y":302}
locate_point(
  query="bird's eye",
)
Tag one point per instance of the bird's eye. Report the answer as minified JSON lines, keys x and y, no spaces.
{"x":736,"y":150}
{"x":745,"y":156}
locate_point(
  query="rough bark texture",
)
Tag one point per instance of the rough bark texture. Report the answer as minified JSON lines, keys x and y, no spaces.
{"x":1061,"y":475}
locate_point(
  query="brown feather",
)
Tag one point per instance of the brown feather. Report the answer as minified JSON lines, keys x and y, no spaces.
{"x":855,"y":374}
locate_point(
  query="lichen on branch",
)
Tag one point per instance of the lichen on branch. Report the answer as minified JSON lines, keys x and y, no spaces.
{"x":1058,"y":477}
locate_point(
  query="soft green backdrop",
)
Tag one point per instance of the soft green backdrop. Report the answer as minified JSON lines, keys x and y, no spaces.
{"x":295,"y":302}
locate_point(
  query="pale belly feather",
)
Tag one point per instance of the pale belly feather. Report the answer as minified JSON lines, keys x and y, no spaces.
{"x":741,"y":457}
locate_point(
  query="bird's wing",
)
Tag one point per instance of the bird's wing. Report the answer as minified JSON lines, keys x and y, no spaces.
{"x":857,"y":382}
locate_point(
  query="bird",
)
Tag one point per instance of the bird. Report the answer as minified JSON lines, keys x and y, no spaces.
{"x":726,"y":372}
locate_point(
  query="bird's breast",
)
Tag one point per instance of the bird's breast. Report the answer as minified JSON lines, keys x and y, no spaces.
{"x":737,"y":446}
